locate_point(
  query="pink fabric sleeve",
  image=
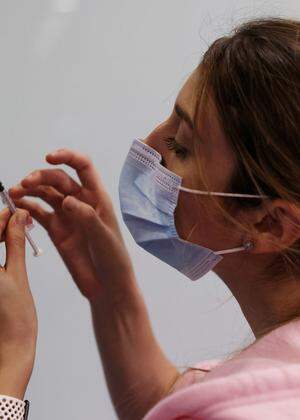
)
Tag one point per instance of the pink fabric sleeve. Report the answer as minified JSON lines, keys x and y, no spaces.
{"x":261,"y":382}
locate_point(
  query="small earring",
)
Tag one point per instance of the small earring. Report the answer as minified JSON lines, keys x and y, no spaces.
{"x":248,"y":245}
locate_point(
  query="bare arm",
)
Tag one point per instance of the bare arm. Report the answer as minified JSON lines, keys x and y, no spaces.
{"x":86,"y":233}
{"x":18,"y":318}
{"x":137,"y":372}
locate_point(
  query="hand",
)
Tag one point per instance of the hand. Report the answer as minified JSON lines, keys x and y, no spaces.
{"x":83,"y":225}
{"x":18,"y":319}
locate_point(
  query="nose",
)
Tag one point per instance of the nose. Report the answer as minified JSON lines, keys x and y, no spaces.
{"x":154,"y":142}
{"x":154,"y":146}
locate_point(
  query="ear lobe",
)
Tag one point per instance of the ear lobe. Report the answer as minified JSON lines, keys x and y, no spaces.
{"x":279,"y":227}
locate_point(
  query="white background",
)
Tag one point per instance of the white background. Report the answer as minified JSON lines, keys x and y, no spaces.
{"x":92,"y":76}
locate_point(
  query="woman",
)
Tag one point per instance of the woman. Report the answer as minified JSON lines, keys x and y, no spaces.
{"x":234,"y":129}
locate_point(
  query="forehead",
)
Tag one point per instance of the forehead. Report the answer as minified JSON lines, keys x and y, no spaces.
{"x":214,"y":145}
{"x":206,"y":120}
{"x":186,"y":97}
{"x":207,"y":123}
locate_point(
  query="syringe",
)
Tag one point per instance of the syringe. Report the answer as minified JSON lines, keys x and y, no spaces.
{"x":11,"y":205}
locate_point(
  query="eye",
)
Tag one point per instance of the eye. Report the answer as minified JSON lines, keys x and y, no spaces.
{"x":177,"y":148}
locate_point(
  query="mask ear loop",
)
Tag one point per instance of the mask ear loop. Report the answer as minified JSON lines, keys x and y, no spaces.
{"x":248,"y":244}
{"x":222,"y":194}
{"x":246,"y":247}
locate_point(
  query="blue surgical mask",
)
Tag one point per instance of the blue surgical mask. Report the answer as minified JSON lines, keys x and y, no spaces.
{"x":148,"y":194}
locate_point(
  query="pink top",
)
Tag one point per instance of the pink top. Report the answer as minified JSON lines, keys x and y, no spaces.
{"x":261,"y":382}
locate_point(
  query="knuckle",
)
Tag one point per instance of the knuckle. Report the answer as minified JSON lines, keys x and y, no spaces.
{"x":90,"y":213}
{"x":18,"y":240}
{"x":60,"y":175}
{"x":89,"y":218}
{"x":44,"y":190}
{"x":86,"y":160}
{"x":22,"y":212}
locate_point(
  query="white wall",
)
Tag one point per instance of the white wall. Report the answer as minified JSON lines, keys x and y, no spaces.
{"x":93,"y":75}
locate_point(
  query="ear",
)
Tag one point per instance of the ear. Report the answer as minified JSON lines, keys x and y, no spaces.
{"x":276,"y":226}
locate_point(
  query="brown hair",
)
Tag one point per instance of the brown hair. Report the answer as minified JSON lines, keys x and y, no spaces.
{"x":253,"y":76}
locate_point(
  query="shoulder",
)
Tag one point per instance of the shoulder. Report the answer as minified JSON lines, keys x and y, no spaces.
{"x":195,"y":374}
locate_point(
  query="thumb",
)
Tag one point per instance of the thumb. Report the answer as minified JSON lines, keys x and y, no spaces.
{"x":15,"y":241}
{"x":103,"y":244}
{"x":83,"y":214}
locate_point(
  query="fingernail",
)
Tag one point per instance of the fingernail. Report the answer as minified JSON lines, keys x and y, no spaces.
{"x":14,"y":188}
{"x":56,"y":152}
{"x":31,"y":176}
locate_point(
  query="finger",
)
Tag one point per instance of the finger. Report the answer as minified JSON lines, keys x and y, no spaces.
{"x":36,"y":210}
{"x":56,"y":178}
{"x":5,"y":215}
{"x":82,"y":164}
{"x":48,"y":194}
{"x":85,"y":214}
{"x":15,"y":242}
{"x":103,"y":243}
{"x":86,"y":217}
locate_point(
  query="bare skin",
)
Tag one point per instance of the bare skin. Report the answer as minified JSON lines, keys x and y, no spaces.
{"x":96,"y":255}
{"x":241,"y":271}
{"x":18,"y":318}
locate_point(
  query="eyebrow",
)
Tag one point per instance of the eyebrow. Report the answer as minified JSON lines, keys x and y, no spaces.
{"x":184,"y":115}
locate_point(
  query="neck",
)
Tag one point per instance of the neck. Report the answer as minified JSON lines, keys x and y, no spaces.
{"x":265,"y":302}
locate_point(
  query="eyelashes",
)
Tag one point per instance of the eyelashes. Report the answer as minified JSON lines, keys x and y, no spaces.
{"x":179,"y":150}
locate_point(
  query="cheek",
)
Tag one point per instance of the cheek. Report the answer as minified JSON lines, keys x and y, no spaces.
{"x":218,"y":164}
{"x":191,"y":218}
{"x":198,"y":221}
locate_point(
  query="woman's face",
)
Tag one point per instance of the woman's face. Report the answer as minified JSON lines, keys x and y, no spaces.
{"x":194,"y":222}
